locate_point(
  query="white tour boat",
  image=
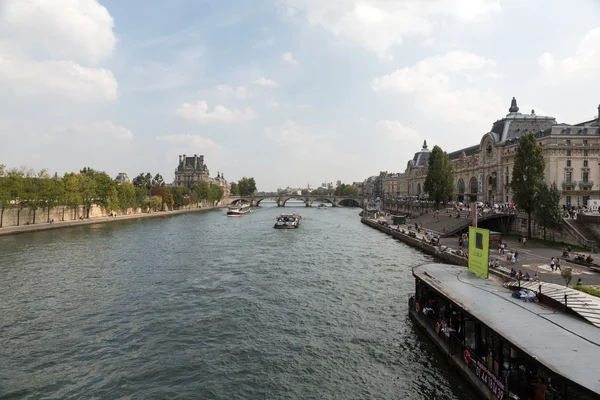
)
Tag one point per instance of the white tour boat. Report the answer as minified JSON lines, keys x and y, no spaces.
{"x":288,"y":221}
{"x":238,"y":210}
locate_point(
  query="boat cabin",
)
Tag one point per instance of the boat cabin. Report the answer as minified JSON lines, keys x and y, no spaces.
{"x":508,"y":348}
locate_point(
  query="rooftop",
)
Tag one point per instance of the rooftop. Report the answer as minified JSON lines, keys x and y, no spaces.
{"x":564,"y":344}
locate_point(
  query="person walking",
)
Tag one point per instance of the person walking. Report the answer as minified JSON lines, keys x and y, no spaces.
{"x":552,"y":264}
{"x":557,"y":264}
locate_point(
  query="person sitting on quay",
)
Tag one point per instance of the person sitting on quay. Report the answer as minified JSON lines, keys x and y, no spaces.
{"x":527,"y":276}
{"x":579,"y":282}
{"x":513,"y":273}
{"x":589,"y":259}
{"x":519,"y":275}
{"x":536,"y":277}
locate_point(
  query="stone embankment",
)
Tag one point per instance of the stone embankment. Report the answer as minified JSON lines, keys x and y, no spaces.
{"x":443,"y":253}
{"x":13,"y":230}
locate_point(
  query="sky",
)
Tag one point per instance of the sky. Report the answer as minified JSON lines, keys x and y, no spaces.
{"x":290,"y":92}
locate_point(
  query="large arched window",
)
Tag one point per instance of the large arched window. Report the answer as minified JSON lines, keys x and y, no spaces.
{"x":473,"y":186}
{"x":461,"y":186}
{"x":418,"y":188}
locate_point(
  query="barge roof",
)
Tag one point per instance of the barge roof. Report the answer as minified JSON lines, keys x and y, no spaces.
{"x":562,"y":343}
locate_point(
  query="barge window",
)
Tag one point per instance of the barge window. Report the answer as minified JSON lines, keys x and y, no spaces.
{"x":470,"y":339}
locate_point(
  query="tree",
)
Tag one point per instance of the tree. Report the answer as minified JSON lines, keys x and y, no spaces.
{"x":247,"y":186}
{"x":15,"y":185}
{"x":200,"y":191}
{"x":141,"y":197}
{"x":439,"y":181}
{"x":52,"y":194}
{"x":548,"y":211}
{"x":181,"y":196}
{"x":215,"y":193}
{"x":127,"y":196}
{"x":567,"y":274}
{"x":143,"y":181}
{"x":156,"y":203}
{"x":158,"y":180}
{"x":350,"y":191}
{"x":5,"y":192}
{"x":527,"y":175}
{"x":87,"y":189}
{"x":72,"y":192}
{"x":165,"y":194}
{"x":305,"y":192}
{"x":106,"y":191}
{"x":235,"y":190}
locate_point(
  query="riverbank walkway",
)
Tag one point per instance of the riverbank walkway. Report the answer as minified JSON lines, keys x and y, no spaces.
{"x":43,"y":226}
{"x":533,"y":257}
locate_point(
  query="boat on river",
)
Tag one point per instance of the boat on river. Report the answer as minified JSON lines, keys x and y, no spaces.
{"x":322,"y":207}
{"x":238,"y":210}
{"x":506,"y":345}
{"x":288,"y":221}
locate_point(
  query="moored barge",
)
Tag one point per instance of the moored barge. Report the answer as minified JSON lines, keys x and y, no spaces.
{"x":505,"y":347}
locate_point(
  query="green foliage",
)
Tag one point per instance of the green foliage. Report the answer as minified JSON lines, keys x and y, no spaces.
{"x":127,"y":196}
{"x":247,"y":186}
{"x":527,"y":175}
{"x":200,"y":192}
{"x":143,"y":181}
{"x":158,"y":180}
{"x":215,"y":193}
{"x":350,"y":191}
{"x":587,"y":289}
{"x":156,"y":203}
{"x":181,"y":196}
{"x":235,"y":189}
{"x":165,"y":194}
{"x":567,"y":274}
{"x":547,"y":211}
{"x":439,"y":182}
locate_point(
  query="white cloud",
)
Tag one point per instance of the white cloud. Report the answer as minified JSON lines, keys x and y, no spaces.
{"x":395,"y":131}
{"x":45,"y":46}
{"x":430,"y":83}
{"x":379,"y":25}
{"x":273,"y":103}
{"x":584,"y":64}
{"x":265,"y":82}
{"x":192,"y":141}
{"x":289,"y":58}
{"x":58,"y":78}
{"x":199,"y":112}
{"x":57,"y":29}
{"x":224,"y":90}
{"x":241,"y":92}
{"x":96,"y":132}
{"x":430,"y":74}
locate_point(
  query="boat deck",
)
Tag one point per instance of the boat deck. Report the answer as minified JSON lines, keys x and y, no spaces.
{"x":568,"y":346}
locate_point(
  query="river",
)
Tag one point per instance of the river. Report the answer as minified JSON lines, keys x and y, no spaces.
{"x":205,"y":306}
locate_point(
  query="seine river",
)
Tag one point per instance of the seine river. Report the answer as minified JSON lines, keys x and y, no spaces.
{"x":208,"y":307}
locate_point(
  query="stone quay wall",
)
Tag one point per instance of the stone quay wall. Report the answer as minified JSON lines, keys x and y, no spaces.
{"x":60,"y":214}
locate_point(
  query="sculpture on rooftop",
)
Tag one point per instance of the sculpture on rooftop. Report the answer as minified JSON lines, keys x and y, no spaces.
{"x":424,"y":144}
{"x":513,"y":106}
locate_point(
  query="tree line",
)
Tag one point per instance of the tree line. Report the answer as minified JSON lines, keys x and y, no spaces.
{"x":39,"y":191}
{"x":244,"y":187}
{"x":531,"y":193}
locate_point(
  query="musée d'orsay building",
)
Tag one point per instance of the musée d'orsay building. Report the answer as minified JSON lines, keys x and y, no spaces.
{"x":483,"y":171}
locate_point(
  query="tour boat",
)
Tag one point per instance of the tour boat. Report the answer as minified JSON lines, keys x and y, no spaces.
{"x":238,"y":210}
{"x":322,"y":207}
{"x":288,"y":221}
{"x":506,"y":344}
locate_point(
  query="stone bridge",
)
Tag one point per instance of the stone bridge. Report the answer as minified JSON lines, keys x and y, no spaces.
{"x":308,"y":200}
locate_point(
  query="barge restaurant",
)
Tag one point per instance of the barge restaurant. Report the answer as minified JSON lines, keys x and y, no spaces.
{"x":506,"y":347}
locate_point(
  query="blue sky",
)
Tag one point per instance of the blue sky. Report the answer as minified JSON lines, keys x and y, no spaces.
{"x":288,"y":91}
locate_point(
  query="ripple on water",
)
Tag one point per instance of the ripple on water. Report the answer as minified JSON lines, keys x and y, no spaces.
{"x":204,"y":306}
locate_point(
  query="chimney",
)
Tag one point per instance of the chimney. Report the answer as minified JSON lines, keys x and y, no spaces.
{"x":184,"y":161}
{"x":180,"y":159}
{"x":201,"y":161}
{"x":195,"y":161}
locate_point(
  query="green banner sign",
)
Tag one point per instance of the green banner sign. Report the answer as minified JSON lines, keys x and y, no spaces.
{"x":479,"y":251}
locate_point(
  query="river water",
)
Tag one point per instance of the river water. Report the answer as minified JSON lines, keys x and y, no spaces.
{"x":209,"y":307}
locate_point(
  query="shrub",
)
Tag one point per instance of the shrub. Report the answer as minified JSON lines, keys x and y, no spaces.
{"x":587,"y":289}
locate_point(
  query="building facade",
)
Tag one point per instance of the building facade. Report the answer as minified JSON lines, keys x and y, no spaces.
{"x":190,"y":170}
{"x":483,"y":171}
{"x":221,"y":181}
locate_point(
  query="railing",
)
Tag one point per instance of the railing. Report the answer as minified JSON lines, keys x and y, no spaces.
{"x":586,"y":183}
{"x":569,"y":183}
